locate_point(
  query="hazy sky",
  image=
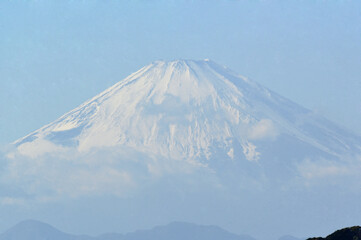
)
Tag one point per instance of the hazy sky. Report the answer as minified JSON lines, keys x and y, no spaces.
{"x":56,"y":54}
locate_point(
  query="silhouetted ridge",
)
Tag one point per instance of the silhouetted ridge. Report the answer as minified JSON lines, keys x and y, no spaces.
{"x":350,"y":233}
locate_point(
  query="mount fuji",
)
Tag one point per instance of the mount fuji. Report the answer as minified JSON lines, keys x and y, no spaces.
{"x":201,"y":135}
{"x":197,"y":112}
{"x":179,"y":109}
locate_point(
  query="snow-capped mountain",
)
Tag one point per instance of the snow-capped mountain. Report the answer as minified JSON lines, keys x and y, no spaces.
{"x":192,"y":141}
{"x":191,"y":110}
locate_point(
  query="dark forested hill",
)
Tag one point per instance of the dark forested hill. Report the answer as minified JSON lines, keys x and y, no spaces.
{"x":351,"y":233}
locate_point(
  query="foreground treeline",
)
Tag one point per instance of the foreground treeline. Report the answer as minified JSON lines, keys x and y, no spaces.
{"x":351,"y":233}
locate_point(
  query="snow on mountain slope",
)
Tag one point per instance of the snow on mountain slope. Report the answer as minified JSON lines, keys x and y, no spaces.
{"x":179,"y":117}
{"x":180,"y":110}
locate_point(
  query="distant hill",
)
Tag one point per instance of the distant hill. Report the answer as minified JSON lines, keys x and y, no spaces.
{"x":35,"y":230}
{"x":182,"y":231}
{"x":289,"y":237}
{"x":351,"y":233}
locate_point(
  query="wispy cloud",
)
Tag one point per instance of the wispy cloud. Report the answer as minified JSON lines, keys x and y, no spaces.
{"x":12,"y":201}
{"x":344,"y":172}
{"x":71,"y":174}
{"x":122,"y":172}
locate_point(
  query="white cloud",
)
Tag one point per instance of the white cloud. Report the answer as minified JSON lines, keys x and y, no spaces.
{"x":39,"y":147}
{"x":264,"y":129}
{"x":320,"y":169}
{"x":343,"y":172}
{"x":69,"y":173}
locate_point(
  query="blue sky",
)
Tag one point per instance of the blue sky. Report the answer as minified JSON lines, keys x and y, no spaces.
{"x":56,"y":54}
